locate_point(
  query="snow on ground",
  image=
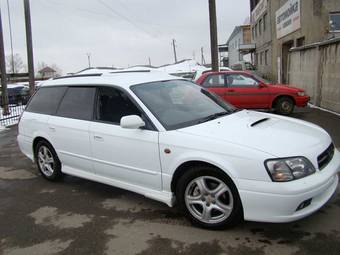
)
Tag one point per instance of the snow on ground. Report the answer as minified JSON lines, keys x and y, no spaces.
{"x":13,"y":118}
{"x":185,"y":66}
{"x":2,"y":128}
{"x":323,"y":109}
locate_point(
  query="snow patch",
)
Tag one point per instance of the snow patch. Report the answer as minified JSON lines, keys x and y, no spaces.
{"x":323,"y":109}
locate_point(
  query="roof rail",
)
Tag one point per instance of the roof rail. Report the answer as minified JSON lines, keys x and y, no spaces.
{"x":77,"y":75}
{"x":132,"y":71}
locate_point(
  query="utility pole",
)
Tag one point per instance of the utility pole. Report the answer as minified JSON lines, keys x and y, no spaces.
{"x":29,"y":46}
{"x":213,"y":35}
{"x":174,"y":46}
{"x":3,"y":72}
{"x":149,"y":61}
{"x":89,"y":59}
{"x":10,"y":35}
{"x":202,"y":57}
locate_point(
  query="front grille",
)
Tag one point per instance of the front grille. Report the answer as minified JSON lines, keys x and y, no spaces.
{"x":325,"y":157}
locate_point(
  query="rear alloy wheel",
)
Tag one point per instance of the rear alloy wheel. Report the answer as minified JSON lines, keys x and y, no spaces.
{"x":48,"y":161}
{"x":209,"y":198}
{"x":284,"y":106}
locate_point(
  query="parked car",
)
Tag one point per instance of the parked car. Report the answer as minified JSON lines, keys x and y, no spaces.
{"x":173,"y":141}
{"x":246,"y":90}
{"x":17,"y":94}
{"x":243,"y":66}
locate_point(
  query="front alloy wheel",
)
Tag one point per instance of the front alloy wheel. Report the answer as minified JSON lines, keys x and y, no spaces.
{"x":209,"y":199}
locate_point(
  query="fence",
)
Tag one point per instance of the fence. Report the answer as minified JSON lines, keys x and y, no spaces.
{"x":315,"y":68}
{"x":16,"y":105}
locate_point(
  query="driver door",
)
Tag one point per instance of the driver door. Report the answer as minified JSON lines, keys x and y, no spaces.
{"x":244,"y":91}
{"x":127,"y":156}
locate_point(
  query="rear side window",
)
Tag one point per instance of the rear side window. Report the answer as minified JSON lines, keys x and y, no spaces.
{"x":77,"y":103}
{"x":214,"y":80}
{"x":46,"y":100}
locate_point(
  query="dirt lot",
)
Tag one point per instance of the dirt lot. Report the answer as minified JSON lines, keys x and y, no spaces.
{"x":82,"y":217}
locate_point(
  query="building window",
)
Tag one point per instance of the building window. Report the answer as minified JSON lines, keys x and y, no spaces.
{"x":266,"y":57}
{"x":261,"y":58}
{"x":256,"y":30}
{"x":260,"y":26}
{"x":300,"y":41}
{"x":264,"y":22}
{"x":334,"y":22}
{"x":253,"y":32}
{"x":256,"y":59}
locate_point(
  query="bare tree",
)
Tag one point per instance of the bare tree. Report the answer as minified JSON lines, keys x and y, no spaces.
{"x":58,"y":70}
{"x":15,"y":65}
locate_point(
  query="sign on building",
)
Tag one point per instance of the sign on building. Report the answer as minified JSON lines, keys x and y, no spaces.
{"x":288,"y":18}
{"x":260,"y":8}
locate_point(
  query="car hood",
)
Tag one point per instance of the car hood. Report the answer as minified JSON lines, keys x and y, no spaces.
{"x":273,"y":134}
{"x":288,"y":88}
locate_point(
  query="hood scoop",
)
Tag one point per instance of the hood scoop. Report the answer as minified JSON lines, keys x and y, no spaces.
{"x":259,"y":121}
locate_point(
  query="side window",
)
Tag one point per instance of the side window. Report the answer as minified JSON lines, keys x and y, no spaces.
{"x":77,"y":103}
{"x":214,"y":80}
{"x":237,"y":67}
{"x":113,"y":104}
{"x":46,"y":100}
{"x":239,"y":80}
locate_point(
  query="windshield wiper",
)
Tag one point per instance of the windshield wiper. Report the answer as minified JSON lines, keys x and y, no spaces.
{"x":213,"y":116}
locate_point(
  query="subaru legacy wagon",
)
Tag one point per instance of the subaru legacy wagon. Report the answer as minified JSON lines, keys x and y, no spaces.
{"x":173,"y":141}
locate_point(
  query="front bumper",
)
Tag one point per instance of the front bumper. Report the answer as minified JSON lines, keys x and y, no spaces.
{"x":278,"y":202}
{"x":302,"y":101}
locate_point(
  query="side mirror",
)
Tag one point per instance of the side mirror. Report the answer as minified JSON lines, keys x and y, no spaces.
{"x":262,"y":85}
{"x":132,"y":122}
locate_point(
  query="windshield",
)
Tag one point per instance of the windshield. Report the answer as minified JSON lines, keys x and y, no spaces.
{"x":249,"y":66}
{"x":179,"y":103}
{"x":261,"y":79}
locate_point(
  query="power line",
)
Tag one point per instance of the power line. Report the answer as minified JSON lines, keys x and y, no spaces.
{"x":123,"y":17}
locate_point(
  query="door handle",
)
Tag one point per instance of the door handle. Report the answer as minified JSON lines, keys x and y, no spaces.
{"x":98,"y":138}
{"x":52,"y":129}
{"x":231,"y":90}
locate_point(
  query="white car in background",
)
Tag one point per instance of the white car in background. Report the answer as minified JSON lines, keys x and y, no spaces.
{"x":199,"y":73}
{"x":171,"y":140}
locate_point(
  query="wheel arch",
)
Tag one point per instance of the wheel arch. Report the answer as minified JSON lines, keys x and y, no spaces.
{"x":35,"y":142}
{"x":180,"y":170}
{"x":281,"y":96}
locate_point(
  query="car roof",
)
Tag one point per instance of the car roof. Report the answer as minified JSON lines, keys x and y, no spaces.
{"x":123,"y":79}
{"x":225,"y":72}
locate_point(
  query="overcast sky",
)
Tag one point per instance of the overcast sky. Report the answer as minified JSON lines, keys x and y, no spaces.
{"x":118,"y":33}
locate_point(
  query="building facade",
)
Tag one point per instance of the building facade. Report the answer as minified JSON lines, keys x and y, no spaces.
{"x":279,"y":25}
{"x":238,"y":44}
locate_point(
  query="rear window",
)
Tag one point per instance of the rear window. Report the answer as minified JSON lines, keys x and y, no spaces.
{"x":46,"y":100}
{"x":77,"y":103}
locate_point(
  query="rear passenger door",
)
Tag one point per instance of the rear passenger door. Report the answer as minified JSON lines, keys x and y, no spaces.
{"x":69,"y":129}
{"x":216,"y":83}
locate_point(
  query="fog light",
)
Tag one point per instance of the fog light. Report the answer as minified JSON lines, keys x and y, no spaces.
{"x":304,"y":204}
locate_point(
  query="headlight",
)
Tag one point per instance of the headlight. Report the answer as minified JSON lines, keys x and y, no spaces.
{"x":301,"y":93}
{"x":288,"y":169}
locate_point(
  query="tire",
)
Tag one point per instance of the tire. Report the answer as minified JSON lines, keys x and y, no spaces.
{"x":193,"y":202}
{"x":284,"y":106}
{"x":46,"y":156}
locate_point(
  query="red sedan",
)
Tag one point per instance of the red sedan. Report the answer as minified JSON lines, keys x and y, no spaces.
{"x":246,"y":90}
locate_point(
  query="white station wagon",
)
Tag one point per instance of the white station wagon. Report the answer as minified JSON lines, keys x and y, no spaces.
{"x":171,"y":140}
